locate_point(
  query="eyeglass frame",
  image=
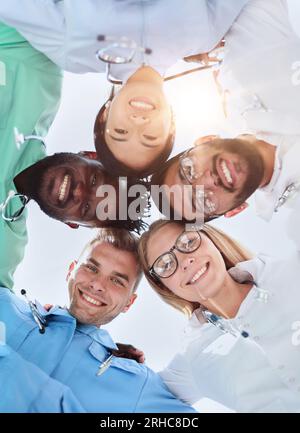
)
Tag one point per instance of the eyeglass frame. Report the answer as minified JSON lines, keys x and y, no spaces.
{"x":151,"y":270}
{"x":185,"y":155}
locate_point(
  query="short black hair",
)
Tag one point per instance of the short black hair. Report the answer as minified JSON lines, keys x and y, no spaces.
{"x":112,"y":164}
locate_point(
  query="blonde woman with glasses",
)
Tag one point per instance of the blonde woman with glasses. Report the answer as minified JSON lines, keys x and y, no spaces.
{"x":243,"y":339}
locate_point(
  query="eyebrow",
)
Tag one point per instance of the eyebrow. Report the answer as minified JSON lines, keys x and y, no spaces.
{"x":116,"y":273}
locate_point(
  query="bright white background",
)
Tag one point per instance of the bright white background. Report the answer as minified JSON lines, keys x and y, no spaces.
{"x":150,"y":325}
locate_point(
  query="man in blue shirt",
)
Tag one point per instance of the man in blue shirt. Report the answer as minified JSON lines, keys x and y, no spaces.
{"x":74,"y":350}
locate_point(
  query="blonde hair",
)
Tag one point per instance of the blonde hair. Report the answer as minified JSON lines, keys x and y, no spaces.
{"x":231,"y":251}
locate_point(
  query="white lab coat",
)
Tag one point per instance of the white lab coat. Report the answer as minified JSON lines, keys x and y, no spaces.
{"x":255,"y":374}
{"x":286,"y":173}
{"x":260,"y":74}
{"x":66,"y":30}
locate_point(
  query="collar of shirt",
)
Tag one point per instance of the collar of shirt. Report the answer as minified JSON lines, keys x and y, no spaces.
{"x":267,"y":197}
{"x":97,"y":334}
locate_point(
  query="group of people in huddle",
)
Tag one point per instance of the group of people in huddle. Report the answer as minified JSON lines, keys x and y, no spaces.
{"x":243,"y":338}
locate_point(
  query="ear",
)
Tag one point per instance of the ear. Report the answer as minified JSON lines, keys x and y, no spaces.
{"x":205,"y":139}
{"x":236,"y":210}
{"x":88,"y":154}
{"x":130,"y":302}
{"x":71,"y":269}
{"x":72,"y":225}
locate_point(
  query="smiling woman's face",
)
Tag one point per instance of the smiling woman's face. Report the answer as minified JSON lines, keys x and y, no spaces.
{"x":138,"y":120}
{"x":200,"y":275}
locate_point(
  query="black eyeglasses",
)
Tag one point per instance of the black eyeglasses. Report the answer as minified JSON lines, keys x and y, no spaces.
{"x":166,"y":264}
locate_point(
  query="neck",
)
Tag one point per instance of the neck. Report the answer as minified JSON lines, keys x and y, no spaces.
{"x":267,"y":152}
{"x":228,"y":301}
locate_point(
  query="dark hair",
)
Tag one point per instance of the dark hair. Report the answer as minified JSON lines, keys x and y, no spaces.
{"x":111,"y":163}
{"x":133,"y":225}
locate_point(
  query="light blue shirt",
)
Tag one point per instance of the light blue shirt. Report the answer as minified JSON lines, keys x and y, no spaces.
{"x":66,"y":30}
{"x":26,"y":388}
{"x":72,"y":354}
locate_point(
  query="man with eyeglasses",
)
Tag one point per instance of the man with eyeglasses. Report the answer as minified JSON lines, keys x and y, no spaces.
{"x":228,"y":172}
{"x":66,"y":186}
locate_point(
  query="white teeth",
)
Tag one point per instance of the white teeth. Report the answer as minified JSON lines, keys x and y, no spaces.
{"x":63,"y":187}
{"x":226,"y":172}
{"x":142,"y":105}
{"x":91,"y":300}
{"x":198,"y":274}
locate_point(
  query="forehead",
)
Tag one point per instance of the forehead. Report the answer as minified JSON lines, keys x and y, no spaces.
{"x":111,"y":257}
{"x":162,"y":240}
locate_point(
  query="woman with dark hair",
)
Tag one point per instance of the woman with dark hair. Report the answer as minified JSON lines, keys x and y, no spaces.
{"x":134,"y":130}
{"x":135,"y":42}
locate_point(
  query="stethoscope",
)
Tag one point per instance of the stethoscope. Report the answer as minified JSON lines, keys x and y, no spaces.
{"x":107,"y":56}
{"x":225,"y":327}
{"x":38,"y":318}
{"x":20,"y":139}
{"x":42,"y":324}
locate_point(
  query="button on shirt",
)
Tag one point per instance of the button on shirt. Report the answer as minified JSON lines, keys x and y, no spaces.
{"x":255,"y":374}
{"x":67,"y":32}
{"x":72,"y":355}
{"x":30,"y":87}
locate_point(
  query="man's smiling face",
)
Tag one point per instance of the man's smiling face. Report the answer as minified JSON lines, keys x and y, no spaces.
{"x":65,"y":185}
{"x":229,"y":171}
{"x":102,"y":284}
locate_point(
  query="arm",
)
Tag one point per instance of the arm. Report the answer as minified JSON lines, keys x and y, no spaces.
{"x":156,"y":397}
{"x":26,"y":388}
{"x":41,"y":22}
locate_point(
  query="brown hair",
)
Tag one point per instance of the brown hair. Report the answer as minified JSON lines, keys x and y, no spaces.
{"x":231,"y":251}
{"x":122,"y":240}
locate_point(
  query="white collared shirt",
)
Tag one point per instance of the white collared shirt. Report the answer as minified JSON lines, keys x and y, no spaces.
{"x":66,"y":30}
{"x":260,"y":74}
{"x":255,"y":374}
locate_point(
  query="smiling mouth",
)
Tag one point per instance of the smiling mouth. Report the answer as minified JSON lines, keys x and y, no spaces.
{"x":226,"y":173}
{"x":90,"y":300}
{"x":198,"y":275}
{"x":64,"y":188}
{"x":142,"y":104}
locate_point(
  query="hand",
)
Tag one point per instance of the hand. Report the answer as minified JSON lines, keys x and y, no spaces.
{"x":130,"y":352}
{"x":48,"y":307}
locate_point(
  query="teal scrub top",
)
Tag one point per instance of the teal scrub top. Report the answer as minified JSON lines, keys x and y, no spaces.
{"x":30,"y":89}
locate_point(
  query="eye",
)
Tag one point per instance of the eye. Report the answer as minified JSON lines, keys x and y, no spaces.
{"x":85,"y":209}
{"x":94,"y":180}
{"x":121,"y":131}
{"x":187,"y":169}
{"x":92,"y":268}
{"x":117,"y":281}
{"x":150,"y":137}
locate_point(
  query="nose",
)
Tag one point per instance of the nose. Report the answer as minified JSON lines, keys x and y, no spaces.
{"x":187,"y":262}
{"x":97,"y":284}
{"x":209,"y":180}
{"x":139,"y":119}
{"x":78,"y":193}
